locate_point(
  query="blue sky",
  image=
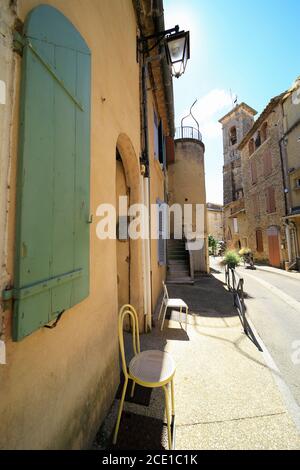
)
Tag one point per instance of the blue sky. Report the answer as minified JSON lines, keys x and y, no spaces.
{"x":251,"y":48}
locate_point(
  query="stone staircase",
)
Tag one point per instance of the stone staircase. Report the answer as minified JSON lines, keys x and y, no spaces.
{"x":178,"y":271}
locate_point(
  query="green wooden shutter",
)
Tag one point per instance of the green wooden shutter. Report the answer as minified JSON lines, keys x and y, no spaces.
{"x":52,"y":230}
{"x":162,"y":232}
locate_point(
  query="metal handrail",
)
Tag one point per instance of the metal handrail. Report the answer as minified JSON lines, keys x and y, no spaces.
{"x":188,"y":132}
{"x":235,"y":284}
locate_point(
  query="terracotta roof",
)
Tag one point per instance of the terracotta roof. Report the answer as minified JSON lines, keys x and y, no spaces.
{"x":270,"y":106}
{"x":241,"y":105}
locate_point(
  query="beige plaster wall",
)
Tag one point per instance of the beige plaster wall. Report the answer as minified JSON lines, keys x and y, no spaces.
{"x":58,"y":384}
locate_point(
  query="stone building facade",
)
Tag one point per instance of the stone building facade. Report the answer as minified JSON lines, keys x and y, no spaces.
{"x":235,"y":126}
{"x":264,"y":196}
{"x":215,"y":220}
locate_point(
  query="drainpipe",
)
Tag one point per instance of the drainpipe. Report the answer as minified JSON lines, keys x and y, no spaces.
{"x":288,"y":240}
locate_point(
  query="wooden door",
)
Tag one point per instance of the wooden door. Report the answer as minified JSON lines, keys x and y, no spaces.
{"x":274,"y":248}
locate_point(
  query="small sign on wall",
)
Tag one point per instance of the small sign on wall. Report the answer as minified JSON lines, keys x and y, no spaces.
{"x":2,"y":92}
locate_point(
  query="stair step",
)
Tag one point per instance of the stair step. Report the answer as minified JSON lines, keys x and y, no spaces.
{"x":178,"y":269}
{"x":185,"y":280}
{"x":177,"y":261}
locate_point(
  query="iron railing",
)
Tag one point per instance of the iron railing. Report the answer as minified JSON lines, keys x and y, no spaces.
{"x":235,"y":284}
{"x":188,"y":132}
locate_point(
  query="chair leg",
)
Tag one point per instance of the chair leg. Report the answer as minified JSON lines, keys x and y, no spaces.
{"x":120,"y":410}
{"x":160,"y":310}
{"x":164,"y":316}
{"x":168,"y":416}
{"x":172,"y":397}
{"x":180,"y":314}
{"x":186,"y":317}
{"x":132,"y":388}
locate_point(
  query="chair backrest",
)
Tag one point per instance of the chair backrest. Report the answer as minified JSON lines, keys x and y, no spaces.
{"x":166,"y":294}
{"x":128,"y":310}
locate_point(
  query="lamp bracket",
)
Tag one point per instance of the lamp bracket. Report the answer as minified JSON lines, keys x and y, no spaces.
{"x":159,"y":36}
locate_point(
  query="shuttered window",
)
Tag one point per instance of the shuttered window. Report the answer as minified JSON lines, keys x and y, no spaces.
{"x":270,"y":200}
{"x":253,"y":170}
{"x":162,"y":232}
{"x":52,"y":229}
{"x":267,"y":159}
{"x":259,"y":241}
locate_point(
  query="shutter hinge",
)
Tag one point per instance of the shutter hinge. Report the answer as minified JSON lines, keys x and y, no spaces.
{"x":7,"y":297}
{"x":18,"y":42}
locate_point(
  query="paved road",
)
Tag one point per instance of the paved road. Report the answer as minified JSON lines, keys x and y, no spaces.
{"x":275,"y":320}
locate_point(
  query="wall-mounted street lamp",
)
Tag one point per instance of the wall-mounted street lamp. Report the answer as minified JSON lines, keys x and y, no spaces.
{"x":177,"y":47}
{"x":178,"y":51}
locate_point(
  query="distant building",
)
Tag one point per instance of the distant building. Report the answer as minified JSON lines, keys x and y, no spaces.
{"x":264,"y":196}
{"x":215,"y":226}
{"x":235,"y":126}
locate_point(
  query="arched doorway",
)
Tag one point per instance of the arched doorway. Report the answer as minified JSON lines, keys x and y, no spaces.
{"x":274,"y":248}
{"x":129,"y":252}
{"x":123,"y":243}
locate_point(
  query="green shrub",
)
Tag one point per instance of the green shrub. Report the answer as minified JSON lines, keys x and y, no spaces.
{"x":231,"y":259}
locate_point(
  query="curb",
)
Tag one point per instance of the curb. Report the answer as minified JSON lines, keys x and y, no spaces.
{"x":281,"y":272}
{"x":295,"y":304}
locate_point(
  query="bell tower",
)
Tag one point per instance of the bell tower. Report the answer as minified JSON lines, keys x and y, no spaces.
{"x":235,"y":125}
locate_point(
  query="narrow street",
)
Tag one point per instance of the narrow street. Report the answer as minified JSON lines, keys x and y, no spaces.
{"x":275,"y":318}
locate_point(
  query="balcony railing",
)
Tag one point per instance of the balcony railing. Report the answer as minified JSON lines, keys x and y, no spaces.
{"x":188,"y":132}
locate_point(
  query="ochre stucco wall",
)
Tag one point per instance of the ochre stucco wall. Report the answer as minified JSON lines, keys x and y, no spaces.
{"x":58,"y":384}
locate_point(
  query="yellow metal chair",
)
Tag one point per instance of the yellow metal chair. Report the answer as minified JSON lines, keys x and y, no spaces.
{"x":173,"y":303}
{"x":152,"y":368}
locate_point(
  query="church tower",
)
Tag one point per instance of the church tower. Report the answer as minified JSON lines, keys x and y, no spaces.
{"x":235,"y":126}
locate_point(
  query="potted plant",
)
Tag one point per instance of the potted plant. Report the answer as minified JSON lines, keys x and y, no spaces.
{"x":231,"y":259}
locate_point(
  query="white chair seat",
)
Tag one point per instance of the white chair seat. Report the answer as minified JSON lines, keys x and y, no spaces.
{"x":152,"y":367}
{"x":176,"y":303}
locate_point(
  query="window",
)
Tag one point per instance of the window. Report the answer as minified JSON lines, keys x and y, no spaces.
{"x":259,"y":241}
{"x":267,"y":159}
{"x":264,"y":132}
{"x":253,"y":170}
{"x":52,"y":227}
{"x":270,"y":200}
{"x":235,"y":225}
{"x":161,"y":146}
{"x":238,"y":194}
{"x":258,"y":140}
{"x":251,"y":146}
{"x":159,"y":142}
{"x":233,"y":136}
